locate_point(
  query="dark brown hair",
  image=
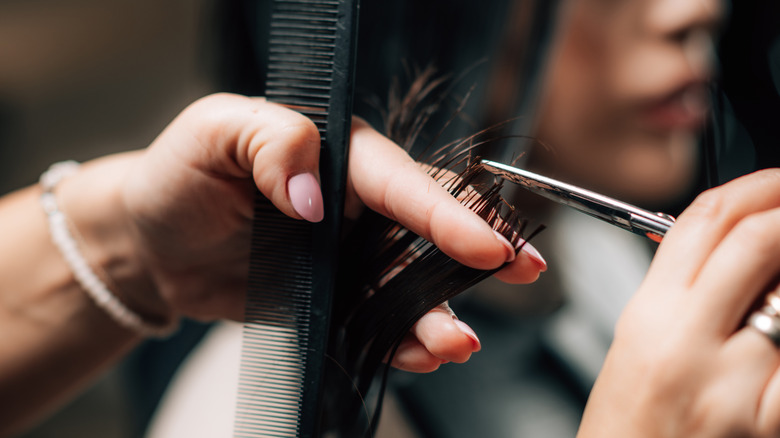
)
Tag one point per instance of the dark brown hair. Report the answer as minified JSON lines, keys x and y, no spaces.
{"x":390,"y":277}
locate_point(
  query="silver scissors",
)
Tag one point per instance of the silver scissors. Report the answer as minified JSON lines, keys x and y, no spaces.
{"x":618,"y":213}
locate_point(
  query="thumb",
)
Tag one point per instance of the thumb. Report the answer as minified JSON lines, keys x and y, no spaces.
{"x":277,"y":146}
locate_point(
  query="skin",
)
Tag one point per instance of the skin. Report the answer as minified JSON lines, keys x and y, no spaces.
{"x":683,"y":363}
{"x":621,"y":113}
{"x":167,"y":228}
{"x":625,"y":99}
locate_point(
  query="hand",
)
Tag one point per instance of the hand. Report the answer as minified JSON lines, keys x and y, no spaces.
{"x":189,"y":202}
{"x":682,"y":363}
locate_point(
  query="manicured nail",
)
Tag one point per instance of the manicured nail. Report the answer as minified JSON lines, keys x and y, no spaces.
{"x":510,"y":250}
{"x":306,"y":196}
{"x":470,"y":333}
{"x":534,"y":255}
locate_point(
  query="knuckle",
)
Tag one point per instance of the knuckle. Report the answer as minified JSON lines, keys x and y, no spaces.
{"x":392,"y":195}
{"x":300,"y":127}
{"x":759,"y":231}
{"x":208,"y":114}
{"x":208,"y":104}
{"x":219,"y":98}
{"x":708,"y":205}
{"x":397,"y":197}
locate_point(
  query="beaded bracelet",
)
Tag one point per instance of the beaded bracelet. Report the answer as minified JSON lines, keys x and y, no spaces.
{"x":64,"y":241}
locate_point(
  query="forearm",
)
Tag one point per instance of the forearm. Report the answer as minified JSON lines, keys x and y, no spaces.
{"x":53,"y":338}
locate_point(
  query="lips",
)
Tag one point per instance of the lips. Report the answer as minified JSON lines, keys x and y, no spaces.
{"x":683,"y":109}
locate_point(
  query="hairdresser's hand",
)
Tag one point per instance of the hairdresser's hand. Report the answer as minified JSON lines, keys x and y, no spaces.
{"x":683,"y":364}
{"x":384,"y":178}
{"x":189,"y":201}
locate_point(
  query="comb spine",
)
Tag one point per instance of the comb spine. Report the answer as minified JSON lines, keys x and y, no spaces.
{"x":333,"y":173}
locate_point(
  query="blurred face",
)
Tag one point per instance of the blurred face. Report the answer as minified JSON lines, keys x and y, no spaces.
{"x":626,"y":95}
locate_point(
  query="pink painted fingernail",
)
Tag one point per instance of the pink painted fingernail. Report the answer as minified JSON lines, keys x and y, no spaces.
{"x":470,"y":333}
{"x":306,"y":196}
{"x":534,"y":255}
{"x":510,"y":250}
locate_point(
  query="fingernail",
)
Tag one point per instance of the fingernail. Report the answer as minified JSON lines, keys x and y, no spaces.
{"x":510,"y":250}
{"x":470,"y":333}
{"x":306,"y":196}
{"x":533,"y":254}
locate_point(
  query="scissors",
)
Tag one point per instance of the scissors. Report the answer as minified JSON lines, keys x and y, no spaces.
{"x":629,"y":217}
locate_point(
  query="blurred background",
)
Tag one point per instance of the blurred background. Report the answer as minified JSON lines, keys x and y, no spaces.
{"x":83,"y":78}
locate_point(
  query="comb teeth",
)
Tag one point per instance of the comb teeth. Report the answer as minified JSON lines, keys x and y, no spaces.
{"x":302,"y":45}
{"x":275,"y":379}
{"x":275,"y":339}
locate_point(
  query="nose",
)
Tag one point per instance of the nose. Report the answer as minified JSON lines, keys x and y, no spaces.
{"x":690,"y":26}
{"x":678,"y":19}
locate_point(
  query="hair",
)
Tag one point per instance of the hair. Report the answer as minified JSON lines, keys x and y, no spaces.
{"x":389,"y":277}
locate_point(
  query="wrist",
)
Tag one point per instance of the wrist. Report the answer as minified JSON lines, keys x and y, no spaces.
{"x":90,"y":200}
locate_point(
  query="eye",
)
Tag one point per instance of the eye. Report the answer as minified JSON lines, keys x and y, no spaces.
{"x":679,"y":20}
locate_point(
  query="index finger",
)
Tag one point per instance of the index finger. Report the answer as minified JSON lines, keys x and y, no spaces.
{"x":704,"y":224}
{"x":390,"y":182}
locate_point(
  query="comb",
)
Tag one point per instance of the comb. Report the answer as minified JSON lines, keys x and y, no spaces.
{"x":311,"y":52}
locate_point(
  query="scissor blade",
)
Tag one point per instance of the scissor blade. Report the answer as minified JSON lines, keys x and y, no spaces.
{"x":618,"y":213}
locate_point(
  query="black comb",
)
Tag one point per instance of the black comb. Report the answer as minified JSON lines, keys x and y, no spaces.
{"x":293,"y":263}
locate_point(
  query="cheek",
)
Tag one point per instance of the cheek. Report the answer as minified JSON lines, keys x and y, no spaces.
{"x":649,"y":70}
{"x":576,"y":129}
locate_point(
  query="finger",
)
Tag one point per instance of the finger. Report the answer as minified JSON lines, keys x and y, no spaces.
{"x":768,"y":417}
{"x":525,"y":269}
{"x":752,"y":359}
{"x":446,"y":337}
{"x":529,"y":263}
{"x":710,"y":217}
{"x":734,"y":379}
{"x":388,"y":181}
{"x":279,"y":147}
{"x":412,"y":356}
{"x":740,"y":270}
